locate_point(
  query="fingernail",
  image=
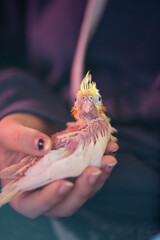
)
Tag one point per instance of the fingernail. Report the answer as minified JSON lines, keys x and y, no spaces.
{"x":40,"y":144}
{"x":110,"y":166}
{"x":115,"y":150}
{"x":65,"y":187}
{"x":94,"y":176}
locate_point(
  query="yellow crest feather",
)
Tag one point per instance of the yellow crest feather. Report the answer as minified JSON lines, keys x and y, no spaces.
{"x":88,"y":87}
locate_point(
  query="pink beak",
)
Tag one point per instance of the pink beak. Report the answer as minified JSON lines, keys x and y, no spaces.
{"x":86,"y":106}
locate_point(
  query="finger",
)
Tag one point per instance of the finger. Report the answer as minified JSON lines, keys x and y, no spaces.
{"x":108,"y":163}
{"x":111,"y":147}
{"x":80,"y":193}
{"x":33,"y":204}
{"x":19,"y":138}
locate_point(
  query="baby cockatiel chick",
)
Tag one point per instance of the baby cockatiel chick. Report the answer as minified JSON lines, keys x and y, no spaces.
{"x":80,"y":145}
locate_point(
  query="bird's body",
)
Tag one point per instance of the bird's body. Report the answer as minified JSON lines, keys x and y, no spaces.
{"x":80,"y":145}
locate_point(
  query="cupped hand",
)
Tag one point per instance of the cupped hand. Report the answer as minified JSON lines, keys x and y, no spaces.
{"x":20,"y":135}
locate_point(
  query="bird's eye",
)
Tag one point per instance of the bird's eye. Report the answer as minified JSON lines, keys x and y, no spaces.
{"x":75,"y":99}
{"x":90,"y":97}
{"x":100,"y":99}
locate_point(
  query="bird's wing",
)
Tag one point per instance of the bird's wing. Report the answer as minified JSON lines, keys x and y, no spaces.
{"x":16,"y":170}
{"x":98,"y":150}
{"x":34,"y":180}
{"x":67,"y":166}
{"x":60,"y":163}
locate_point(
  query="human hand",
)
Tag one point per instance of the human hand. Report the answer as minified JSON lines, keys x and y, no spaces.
{"x":20,"y":135}
{"x":60,"y":198}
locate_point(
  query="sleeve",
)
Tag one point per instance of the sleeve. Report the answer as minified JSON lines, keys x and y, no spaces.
{"x":21,"y":92}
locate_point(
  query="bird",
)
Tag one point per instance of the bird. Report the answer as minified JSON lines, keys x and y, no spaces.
{"x":80,"y":145}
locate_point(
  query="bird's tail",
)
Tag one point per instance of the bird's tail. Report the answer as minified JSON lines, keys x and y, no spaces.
{"x":8,"y":193}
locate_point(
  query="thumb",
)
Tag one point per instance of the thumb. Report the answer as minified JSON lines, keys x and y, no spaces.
{"x":19,"y":138}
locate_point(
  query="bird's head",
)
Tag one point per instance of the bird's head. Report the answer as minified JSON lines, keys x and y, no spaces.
{"x":88,"y":102}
